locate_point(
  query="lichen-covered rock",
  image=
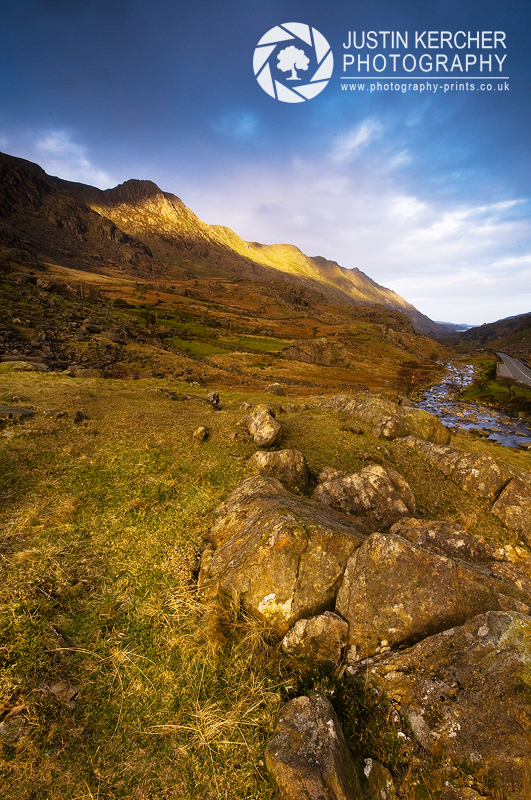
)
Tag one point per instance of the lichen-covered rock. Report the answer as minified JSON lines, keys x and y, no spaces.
{"x":513,"y":507}
{"x":275,"y":388}
{"x":283,"y":556}
{"x":319,"y":639}
{"x":287,"y":466}
{"x":263,"y":427}
{"x":394,"y":592}
{"x":478,"y":474}
{"x":389,"y":419}
{"x":466,"y":692}
{"x":319,"y":351}
{"x":308,"y":756}
{"x":379,"y":495}
{"x":380,"y":780}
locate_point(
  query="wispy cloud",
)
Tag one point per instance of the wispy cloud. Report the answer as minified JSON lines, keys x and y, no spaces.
{"x":351,"y":142}
{"x":236,"y":124}
{"x":59,"y":155}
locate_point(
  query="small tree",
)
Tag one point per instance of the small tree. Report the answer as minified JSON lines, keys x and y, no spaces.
{"x":292,"y":57}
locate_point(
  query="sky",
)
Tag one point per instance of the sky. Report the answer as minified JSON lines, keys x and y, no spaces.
{"x":427,"y":192}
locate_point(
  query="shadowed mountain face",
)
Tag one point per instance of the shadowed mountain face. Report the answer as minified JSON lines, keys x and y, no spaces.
{"x":137,"y":228}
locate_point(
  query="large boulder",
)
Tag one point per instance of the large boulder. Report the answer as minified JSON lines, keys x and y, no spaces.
{"x":263,"y":427}
{"x":389,"y":419}
{"x":477,"y":473}
{"x":308,"y":756}
{"x":288,"y":466}
{"x":283,"y":556}
{"x":513,"y":507}
{"x":379,"y":495}
{"x":395,"y":593}
{"x":319,"y":351}
{"x":320,"y":639}
{"x":466,"y":693}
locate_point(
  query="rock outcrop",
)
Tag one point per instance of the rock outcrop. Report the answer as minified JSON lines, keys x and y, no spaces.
{"x":287,"y":466}
{"x":466,"y":693}
{"x":395,"y":593}
{"x":283,"y":556}
{"x":482,"y":476}
{"x":378,"y":495}
{"x":389,"y":419}
{"x":308,"y":756}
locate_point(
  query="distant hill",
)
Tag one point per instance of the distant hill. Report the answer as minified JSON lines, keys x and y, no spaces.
{"x":157,"y":234}
{"x":511,"y":335}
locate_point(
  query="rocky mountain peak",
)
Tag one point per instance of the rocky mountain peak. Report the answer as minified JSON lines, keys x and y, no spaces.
{"x":132,"y":192}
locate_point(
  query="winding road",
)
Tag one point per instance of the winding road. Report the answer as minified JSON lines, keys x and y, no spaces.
{"x":514,"y":368}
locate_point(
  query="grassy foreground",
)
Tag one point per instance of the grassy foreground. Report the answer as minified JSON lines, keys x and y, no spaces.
{"x":102,"y":524}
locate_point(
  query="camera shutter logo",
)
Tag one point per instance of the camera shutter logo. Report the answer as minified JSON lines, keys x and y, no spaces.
{"x":293,"y":62}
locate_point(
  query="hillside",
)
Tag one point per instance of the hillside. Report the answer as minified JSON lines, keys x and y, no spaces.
{"x":179,"y":240}
{"x":511,"y":335}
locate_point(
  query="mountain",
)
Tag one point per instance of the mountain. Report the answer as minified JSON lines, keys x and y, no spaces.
{"x":162,"y":236}
{"x":511,"y":335}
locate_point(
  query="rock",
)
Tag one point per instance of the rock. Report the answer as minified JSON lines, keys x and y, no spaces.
{"x":16,"y":413}
{"x":200,"y":434}
{"x":11,"y":729}
{"x":319,"y":639}
{"x":513,"y":507}
{"x":287,"y":466}
{"x":213,"y":399}
{"x":55,"y":413}
{"x":26,"y":366}
{"x":275,"y":388}
{"x":450,"y":793}
{"x":466,"y":694}
{"x":379,"y":495}
{"x":80,"y":416}
{"x":308,"y":756}
{"x":85,"y":372}
{"x":263,"y":427}
{"x":381,"y":786}
{"x":478,"y":474}
{"x":398,"y":593}
{"x":319,"y":351}
{"x":389,"y":419}
{"x":281,"y":555}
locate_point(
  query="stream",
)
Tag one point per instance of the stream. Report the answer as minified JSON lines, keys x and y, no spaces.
{"x":491,"y":424}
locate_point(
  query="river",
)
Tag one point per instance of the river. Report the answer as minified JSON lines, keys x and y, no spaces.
{"x":497,"y":426}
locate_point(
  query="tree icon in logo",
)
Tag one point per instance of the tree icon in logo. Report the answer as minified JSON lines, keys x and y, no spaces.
{"x":291,"y":57}
{"x":307,"y":50}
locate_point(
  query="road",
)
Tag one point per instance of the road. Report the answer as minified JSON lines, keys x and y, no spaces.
{"x":513,"y":368}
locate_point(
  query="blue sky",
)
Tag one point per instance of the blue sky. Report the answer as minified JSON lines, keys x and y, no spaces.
{"x":428,"y":193}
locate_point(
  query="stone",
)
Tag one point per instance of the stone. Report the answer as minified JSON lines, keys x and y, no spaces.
{"x":85,"y":372}
{"x":476,"y":473}
{"x":282,"y":556}
{"x":379,"y":495}
{"x":389,"y":419}
{"x":308,"y":756}
{"x":466,"y":693}
{"x":380,"y":780}
{"x":26,"y":366}
{"x":263,"y":427}
{"x":319,"y":639}
{"x":16,"y":413}
{"x":213,"y":399}
{"x":513,"y":507}
{"x":11,"y":729}
{"x":275,"y":388}
{"x":80,"y":416}
{"x":396,"y":592}
{"x":200,"y":434}
{"x":288,"y":466}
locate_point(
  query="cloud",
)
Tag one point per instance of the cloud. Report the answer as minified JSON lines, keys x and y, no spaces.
{"x":350,"y":143}
{"x":236,"y":124}
{"x":58,"y":155}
